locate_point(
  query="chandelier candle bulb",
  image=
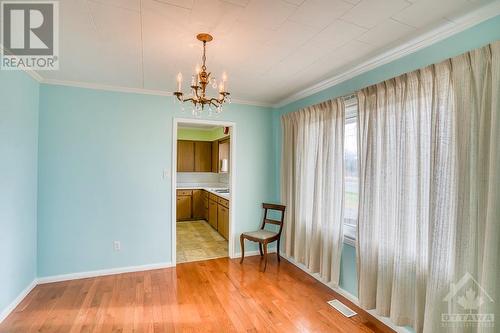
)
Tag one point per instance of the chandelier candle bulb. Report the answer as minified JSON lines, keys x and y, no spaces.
{"x":198,"y":76}
{"x":224,"y":80}
{"x":179,"y":82}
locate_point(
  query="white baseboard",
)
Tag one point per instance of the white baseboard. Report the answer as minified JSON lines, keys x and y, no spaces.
{"x":103,"y":272}
{"x":386,"y":321}
{"x":5,"y":312}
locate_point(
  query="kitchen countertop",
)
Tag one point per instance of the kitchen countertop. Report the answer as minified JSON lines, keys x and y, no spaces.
{"x":209,"y":187}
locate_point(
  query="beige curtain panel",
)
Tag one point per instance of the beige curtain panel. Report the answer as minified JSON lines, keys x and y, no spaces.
{"x":313,"y":186}
{"x":429,"y":212}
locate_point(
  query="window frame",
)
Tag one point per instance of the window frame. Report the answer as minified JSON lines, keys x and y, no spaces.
{"x":351,"y":116}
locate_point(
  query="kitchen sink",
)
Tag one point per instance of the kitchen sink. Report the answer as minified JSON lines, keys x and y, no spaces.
{"x":222,"y":190}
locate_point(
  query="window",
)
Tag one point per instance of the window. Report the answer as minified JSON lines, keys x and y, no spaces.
{"x":351,"y":187}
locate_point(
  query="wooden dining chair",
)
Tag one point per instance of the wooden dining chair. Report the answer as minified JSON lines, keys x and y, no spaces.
{"x":264,"y":237}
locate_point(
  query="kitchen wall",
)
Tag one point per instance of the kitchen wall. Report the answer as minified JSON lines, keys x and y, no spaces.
{"x":224,"y":178}
{"x":18,"y":184}
{"x":198,"y":177}
{"x":200,"y":134}
{"x":102,"y":157}
{"x":469,"y":39}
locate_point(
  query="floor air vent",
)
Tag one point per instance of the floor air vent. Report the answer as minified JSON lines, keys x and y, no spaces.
{"x":342,"y":308}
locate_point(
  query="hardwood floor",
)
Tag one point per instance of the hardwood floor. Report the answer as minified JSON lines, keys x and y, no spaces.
{"x":217,"y":295}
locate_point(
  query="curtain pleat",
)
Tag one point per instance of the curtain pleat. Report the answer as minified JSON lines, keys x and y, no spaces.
{"x":429,"y":211}
{"x":313,"y":187}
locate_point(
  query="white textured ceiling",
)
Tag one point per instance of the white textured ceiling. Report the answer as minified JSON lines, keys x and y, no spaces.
{"x":270,"y":49}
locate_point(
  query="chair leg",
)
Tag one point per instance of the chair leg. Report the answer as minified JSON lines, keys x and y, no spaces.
{"x":260,"y":249}
{"x":278,"y":249}
{"x":265,"y":256}
{"x":242,"y":242}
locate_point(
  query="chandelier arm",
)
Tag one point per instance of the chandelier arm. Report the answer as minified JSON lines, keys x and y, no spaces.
{"x":217,"y":101}
{"x":179,"y":97}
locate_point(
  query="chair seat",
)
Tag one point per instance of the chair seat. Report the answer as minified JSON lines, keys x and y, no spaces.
{"x":261,"y":234}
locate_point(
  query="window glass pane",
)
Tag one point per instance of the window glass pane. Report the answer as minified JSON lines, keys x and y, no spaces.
{"x":351,"y":171}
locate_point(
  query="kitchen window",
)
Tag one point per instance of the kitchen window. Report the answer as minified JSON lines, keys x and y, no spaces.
{"x":351,"y":175}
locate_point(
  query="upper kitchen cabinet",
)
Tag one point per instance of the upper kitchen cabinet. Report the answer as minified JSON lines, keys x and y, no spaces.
{"x":202,"y":156}
{"x":194,"y":156}
{"x":185,"y":156}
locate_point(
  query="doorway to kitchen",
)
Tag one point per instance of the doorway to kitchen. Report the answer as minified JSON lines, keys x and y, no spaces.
{"x":202,"y":189}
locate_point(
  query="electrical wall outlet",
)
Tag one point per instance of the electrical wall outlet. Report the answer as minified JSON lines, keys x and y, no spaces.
{"x":117,"y":246}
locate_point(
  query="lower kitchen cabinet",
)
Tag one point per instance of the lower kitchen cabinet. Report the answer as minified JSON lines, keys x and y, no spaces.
{"x":212,"y":213}
{"x":205,"y":205}
{"x":198,"y":205}
{"x":223,"y":221}
{"x":184,"y":205}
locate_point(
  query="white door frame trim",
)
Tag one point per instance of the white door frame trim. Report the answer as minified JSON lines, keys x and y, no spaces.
{"x":232,"y":178}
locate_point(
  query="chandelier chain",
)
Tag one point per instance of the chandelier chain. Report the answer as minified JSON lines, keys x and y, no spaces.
{"x":204,"y":58}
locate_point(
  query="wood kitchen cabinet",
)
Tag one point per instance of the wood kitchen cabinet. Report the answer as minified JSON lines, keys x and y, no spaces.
{"x":205,"y":205}
{"x":202,"y":156}
{"x":194,"y":156}
{"x":223,"y":220}
{"x":212,"y":213}
{"x":184,"y":204}
{"x":185,"y":156}
{"x":198,"y":205}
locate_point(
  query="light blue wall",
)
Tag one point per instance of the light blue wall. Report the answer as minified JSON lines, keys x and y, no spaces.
{"x":348,"y":276}
{"x":18,"y":183}
{"x":102,"y":156}
{"x":472,"y":38}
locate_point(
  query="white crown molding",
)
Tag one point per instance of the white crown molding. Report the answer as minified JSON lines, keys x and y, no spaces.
{"x":5,"y":312}
{"x":98,"y":86}
{"x":103,"y":272}
{"x":34,"y":75}
{"x":457,"y":24}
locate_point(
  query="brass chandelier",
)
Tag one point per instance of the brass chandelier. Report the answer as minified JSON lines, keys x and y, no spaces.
{"x":199,"y":82}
